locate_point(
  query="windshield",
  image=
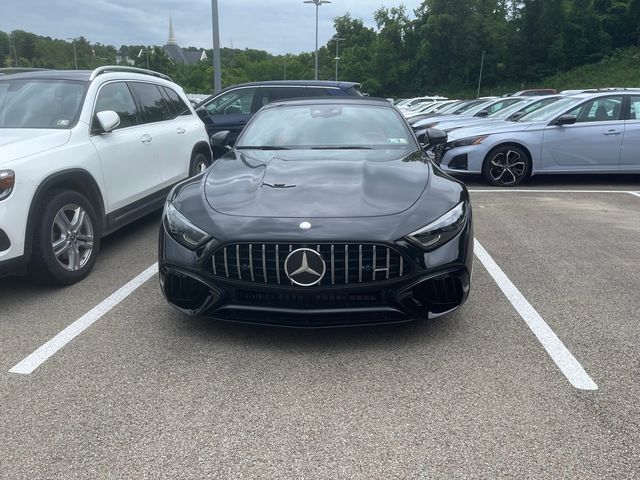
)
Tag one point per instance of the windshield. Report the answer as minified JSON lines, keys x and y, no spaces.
{"x":492,"y":106}
{"x":466,"y":106}
{"x":364,"y":127}
{"x":40,"y":103}
{"x":549,"y":111}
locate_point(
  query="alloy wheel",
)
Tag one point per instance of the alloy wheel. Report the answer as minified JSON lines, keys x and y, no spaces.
{"x":72,"y":237}
{"x":507,"y":167}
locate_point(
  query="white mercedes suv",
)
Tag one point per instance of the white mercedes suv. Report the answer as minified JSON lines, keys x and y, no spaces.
{"x":83,"y":153}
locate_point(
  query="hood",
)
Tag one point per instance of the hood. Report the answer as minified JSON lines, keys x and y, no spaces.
{"x":17,"y":143}
{"x":316,"y":183}
{"x":490,"y":128}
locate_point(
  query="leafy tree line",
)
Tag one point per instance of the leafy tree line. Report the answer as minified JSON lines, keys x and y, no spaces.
{"x":435,"y":50}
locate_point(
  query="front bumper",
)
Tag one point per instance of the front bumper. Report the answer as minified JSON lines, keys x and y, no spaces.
{"x":439,"y":283}
{"x":467,"y":159}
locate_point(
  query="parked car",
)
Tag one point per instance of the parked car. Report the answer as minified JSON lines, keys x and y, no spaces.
{"x":231,"y":109}
{"x":432,"y":107}
{"x":514,"y":111}
{"x":582,"y":133}
{"x":83,"y":153}
{"x":535,"y":92}
{"x":457,"y":108}
{"x":478,"y":110}
{"x":414,"y":102}
{"x":325,"y":213}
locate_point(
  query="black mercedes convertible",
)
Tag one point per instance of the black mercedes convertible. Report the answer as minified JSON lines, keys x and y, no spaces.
{"x":326,"y":212}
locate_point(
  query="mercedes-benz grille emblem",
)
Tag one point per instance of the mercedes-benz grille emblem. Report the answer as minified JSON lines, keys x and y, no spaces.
{"x":305,"y":267}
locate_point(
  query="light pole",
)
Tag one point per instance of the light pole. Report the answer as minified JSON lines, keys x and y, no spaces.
{"x":317,"y":3}
{"x":75,"y":57}
{"x":337,"y":59}
{"x":215,"y":27}
{"x":480,"y":77}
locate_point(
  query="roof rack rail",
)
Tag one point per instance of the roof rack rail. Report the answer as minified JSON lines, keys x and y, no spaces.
{"x":10,"y":70}
{"x":610,"y":89}
{"x":118,"y":68}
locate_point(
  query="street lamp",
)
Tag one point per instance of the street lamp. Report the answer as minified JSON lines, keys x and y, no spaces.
{"x":215,"y":27}
{"x":337,"y":59}
{"x":480,"y":76}
{"x":317,"y":3}
{"x":75,"y":57}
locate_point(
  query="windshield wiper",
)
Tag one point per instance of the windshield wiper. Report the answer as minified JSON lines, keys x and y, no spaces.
{"x":261,"y":147}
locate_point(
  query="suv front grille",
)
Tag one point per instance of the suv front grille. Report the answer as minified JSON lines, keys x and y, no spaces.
{"x":347,"y":263}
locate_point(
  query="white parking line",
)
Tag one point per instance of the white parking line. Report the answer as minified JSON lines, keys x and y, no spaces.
{"x":637,"y":194}
{"x":563,"y":358}
{"x":542,"y":190}
{"x":42,"y":354}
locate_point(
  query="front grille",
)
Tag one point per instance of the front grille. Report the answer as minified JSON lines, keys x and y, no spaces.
{"x":347,"y":263}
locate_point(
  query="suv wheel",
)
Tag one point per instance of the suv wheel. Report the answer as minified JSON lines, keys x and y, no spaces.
{"x":199,"y":163}
{"x":67,"y":239}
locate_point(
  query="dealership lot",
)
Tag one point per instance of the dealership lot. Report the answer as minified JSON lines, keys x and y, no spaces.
{"x":146,"y":392}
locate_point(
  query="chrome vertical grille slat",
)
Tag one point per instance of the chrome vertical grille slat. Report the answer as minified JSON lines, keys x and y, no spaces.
{"x":346,"y":263}
{"x":251,"y":262}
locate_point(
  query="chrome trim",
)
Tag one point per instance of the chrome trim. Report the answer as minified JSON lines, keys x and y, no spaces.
{"x":278,"y":263}
{"x":213,"y":261}
{"x":360,"y":263}
{"x":346,"y":264}
{"x":118,"y":68}
{"x":401,"y":265}
{"x":333,"y":267}
{"x":251,"y":262}
{"x":388,"y":262}
{"x":264,"y":263}
{"x":238,"y":262}
{"x":226,"y":263}
{"x":375,"y":264}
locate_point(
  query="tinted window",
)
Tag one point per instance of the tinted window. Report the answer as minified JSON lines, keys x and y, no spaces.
{"x":600,"y":109}
{"x":318,"y":92}
{"x":154,"y":108}
{"x":234,"y":102}
{"x":117,"y":97}
{"x":328,"y":127}
{"x":272,"y":94}
{"x":39,"y":103}
{"x":175,"y":102}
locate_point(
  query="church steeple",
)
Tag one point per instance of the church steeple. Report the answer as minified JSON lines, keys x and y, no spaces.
{"x":172,"y":36}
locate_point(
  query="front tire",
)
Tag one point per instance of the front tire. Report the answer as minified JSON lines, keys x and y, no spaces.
{"x":506,"y":166}
{"x":67,"y":239}
{"x":199,"y":163}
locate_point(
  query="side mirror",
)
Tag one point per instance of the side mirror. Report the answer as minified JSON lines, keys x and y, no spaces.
{"x":482,"y":113}
{"x":565,"y":120}
{"x":431,"y":137}
{"x":202,"y":113}
{"x":108,"y":120}
{"x":436,"y":137}
{"x":220,"y":139}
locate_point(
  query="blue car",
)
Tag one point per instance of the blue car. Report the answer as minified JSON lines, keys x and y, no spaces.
{"x":232,"y":108}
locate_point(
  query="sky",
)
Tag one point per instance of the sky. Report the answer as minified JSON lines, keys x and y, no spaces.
{"x":277,"y":26}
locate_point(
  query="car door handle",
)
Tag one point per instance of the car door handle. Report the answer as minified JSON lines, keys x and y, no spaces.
{"x":242,"y":122}
{"x":180,"y":131}
{"x":146,"y":138}
{"x":613,"y":132}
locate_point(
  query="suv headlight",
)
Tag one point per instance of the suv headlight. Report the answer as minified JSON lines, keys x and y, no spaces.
{"x":441,"y":230}
{"x":7,"y":182}
{"x":182,"y":230}
{"x":465,"y":142}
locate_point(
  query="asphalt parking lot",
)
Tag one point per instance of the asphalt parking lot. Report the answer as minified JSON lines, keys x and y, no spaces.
{"x":536,"y":376}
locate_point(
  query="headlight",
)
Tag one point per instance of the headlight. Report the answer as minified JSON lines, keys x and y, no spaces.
{"x":465,"y":142}
{"x":7,"y":182}
{"x":441,"y":230}
{"x":182,"y":230}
